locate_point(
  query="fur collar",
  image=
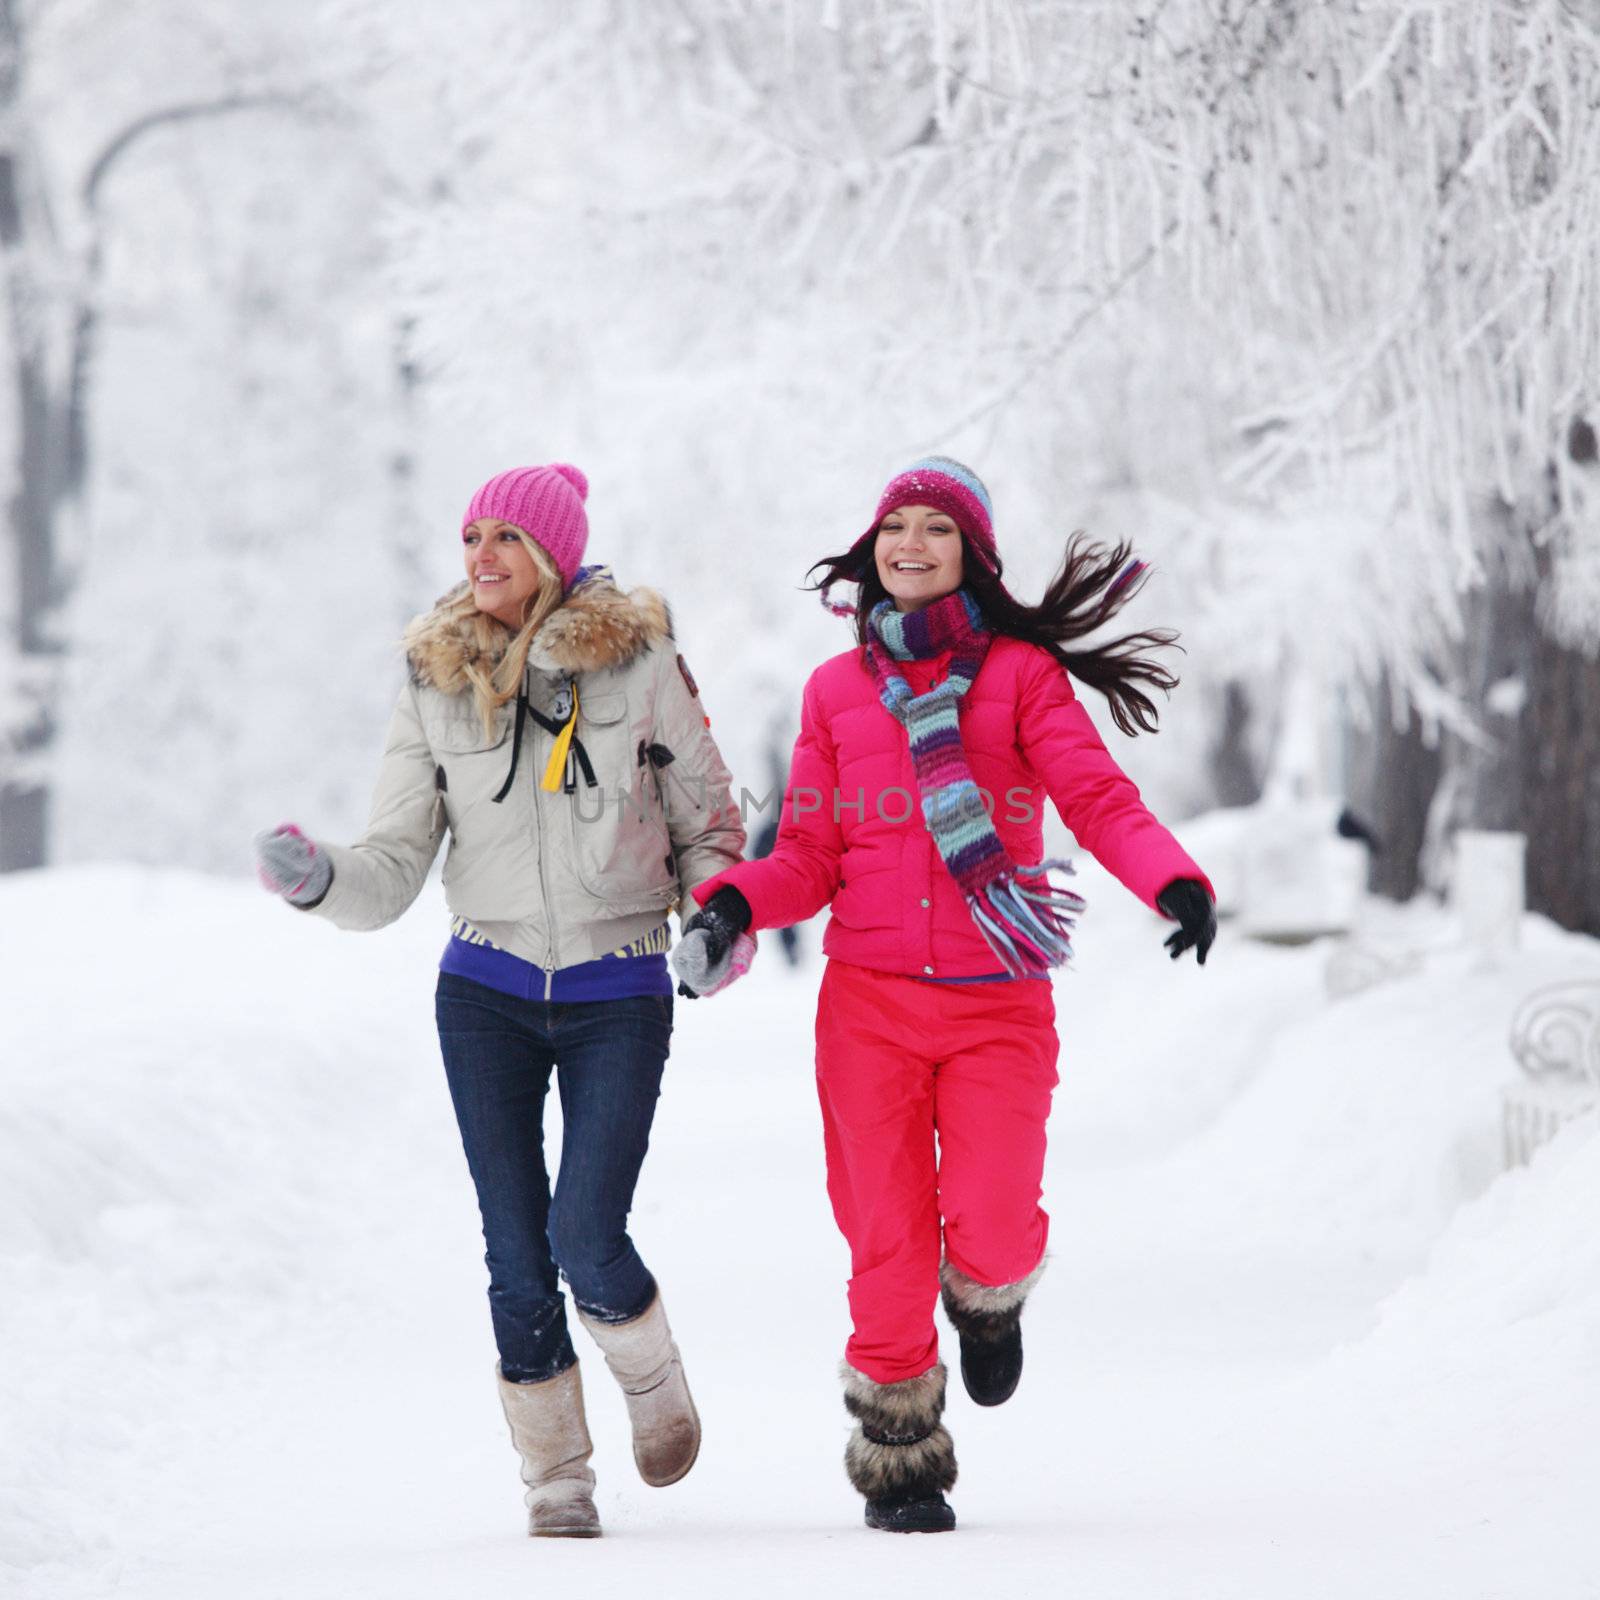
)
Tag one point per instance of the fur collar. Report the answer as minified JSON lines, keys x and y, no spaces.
{"x":595,"y":627}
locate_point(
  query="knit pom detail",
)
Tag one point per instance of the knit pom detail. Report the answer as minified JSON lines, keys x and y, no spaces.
{"x":574,"y":475}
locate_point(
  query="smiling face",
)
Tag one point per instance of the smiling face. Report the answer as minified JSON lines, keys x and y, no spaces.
{"x":502,"y":573}
{"x":918,"y":556}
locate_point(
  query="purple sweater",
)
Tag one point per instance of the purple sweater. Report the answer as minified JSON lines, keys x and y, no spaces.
{"x":637,"y":968}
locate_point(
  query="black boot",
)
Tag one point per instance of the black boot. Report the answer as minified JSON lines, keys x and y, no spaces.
{"x":900,"y":1456}
{"x":925,"y":1514}
{"x":988,"y":1320}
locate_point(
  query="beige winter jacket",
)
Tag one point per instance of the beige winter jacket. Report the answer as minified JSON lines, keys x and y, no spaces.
{"x":555,"y":878}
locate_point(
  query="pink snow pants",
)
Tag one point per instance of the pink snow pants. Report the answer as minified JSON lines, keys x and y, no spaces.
{"x":900,"y":1064}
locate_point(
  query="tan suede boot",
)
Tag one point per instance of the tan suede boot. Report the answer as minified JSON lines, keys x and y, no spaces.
{"x":645,"y":1362}
{"x":552,"y":1437}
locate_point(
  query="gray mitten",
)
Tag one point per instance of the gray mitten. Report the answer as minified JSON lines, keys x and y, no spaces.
{"x":289,"y":864}
{"x":715,"y":949}
{"x":703,"y":969}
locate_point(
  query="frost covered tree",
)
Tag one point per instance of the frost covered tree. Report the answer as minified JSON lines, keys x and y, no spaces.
{"x":583,"y":279}
{"x":1301,"y":296}
{"x":45,"y":421}
{"x":230,"y":388}
{"x":1297,"y":296}
{"x":54,"y":175}
{"x":1373,"y":224}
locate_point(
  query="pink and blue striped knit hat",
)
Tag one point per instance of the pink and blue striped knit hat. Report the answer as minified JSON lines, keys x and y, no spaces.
{"x":950,"y":487}
{"x":547,"y":504}
{"x":935,"y":481}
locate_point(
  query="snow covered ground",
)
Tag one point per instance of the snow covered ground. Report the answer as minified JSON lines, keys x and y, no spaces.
{"x":1298,"y":1338}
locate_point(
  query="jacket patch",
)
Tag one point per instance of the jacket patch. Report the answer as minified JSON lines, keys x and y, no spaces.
{"x":688,"y":676}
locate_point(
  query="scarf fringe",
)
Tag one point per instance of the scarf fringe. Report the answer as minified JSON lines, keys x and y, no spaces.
{"x":1028,"y":926}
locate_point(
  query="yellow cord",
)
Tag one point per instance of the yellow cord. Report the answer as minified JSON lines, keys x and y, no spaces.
{"x":558,"y":756}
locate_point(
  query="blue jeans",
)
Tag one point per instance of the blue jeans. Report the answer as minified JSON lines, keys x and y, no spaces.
{"x":608,"y":1056}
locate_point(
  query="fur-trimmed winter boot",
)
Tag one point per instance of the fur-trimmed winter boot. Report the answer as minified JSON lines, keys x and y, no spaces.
{"x":644,"y":1360}
{"x":900,"y":1456}
{"x":552,"y":1437}
{"x":988,"y":1319}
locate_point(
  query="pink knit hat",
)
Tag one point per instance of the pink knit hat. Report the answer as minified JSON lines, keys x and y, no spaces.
{"x":547,"y":504}
{"x":951,"y":487}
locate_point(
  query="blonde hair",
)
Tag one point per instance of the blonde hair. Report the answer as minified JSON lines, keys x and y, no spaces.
{"x":495,"y":642}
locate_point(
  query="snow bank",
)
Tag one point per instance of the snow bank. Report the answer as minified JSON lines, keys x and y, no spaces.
{"x":1369,"y":1119}
{"x":1498,"y":1339}
{"x":189,"y":1071}
{"x":236,"y":1224}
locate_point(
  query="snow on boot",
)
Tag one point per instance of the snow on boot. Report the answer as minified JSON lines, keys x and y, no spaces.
{"x":644,"y":1360}
{"x":988,"y":1319}
{"x":552,"y":1437}
{"x":900,"y":1456}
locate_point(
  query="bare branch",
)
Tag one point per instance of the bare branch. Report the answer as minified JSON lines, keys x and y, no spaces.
{"x":168,"y":116}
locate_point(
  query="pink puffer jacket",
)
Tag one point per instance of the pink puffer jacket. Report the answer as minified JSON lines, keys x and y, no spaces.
{"x":852,"y":836}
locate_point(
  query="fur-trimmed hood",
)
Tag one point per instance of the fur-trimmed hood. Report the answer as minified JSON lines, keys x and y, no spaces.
{"x":595,"y":627}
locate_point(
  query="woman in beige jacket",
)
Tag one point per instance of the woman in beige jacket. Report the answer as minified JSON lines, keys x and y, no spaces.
{"x":551,"y":728}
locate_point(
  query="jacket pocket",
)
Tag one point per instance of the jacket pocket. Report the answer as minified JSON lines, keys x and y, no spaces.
{"x":603,"y":731}
{"x":622,"y":853}
{"x":472,"y":768}
{"x":473,"y":762}
{"x":602,"y":709}
{"x":458,"y":729}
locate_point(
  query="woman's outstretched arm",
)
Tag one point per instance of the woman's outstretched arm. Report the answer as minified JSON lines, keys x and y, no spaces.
{"x":1095,"y":797}
{"x":378,"y":877}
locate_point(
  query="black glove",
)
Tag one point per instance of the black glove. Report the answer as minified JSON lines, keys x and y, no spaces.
{"x":1350,"y":826}
{"x":720,"y":921}
{"x":1185,"y":900}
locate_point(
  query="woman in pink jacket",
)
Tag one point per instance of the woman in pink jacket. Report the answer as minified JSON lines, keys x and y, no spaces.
{"x":914,"y":811}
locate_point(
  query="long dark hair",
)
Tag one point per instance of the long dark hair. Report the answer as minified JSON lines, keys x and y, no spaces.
{"x":1095,"y":582}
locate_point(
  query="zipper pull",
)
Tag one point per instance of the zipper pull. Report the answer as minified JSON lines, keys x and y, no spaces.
{"x":549,"y":976}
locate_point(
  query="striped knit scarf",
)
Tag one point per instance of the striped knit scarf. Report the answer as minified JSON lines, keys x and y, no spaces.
{"x":1025,"y":919}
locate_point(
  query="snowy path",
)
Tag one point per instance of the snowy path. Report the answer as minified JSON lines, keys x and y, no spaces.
{"x":248,"y":1352}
